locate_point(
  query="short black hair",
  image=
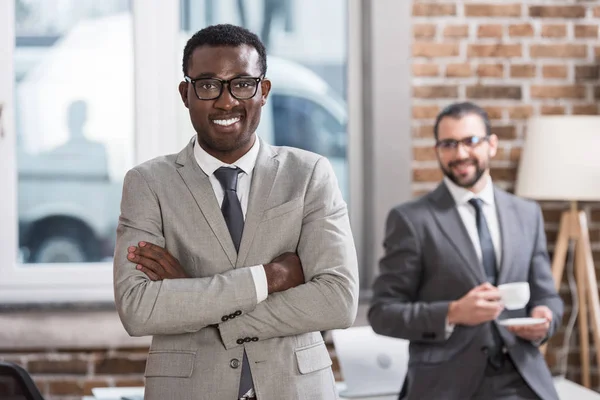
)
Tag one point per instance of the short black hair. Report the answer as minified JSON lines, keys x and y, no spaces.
{"x":459,"y":110}
{"x":225,"y":35}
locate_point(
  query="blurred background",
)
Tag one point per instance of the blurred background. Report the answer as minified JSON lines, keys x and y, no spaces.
{"x":88,"y":89}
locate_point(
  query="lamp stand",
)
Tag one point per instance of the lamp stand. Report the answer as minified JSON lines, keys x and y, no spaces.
{"x":574,"y":226}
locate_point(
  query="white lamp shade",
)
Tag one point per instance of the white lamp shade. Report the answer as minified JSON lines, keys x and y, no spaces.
{"x":560,"y":159}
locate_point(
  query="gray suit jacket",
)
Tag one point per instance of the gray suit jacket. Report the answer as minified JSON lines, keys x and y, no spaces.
{"x":294,"y":205}
{"x":430,"y":261}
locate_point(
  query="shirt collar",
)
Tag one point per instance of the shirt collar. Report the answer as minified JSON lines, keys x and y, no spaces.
{"x":210,"y":164}
{"x":462,"y":196}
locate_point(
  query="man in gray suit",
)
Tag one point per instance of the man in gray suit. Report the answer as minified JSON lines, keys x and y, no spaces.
{"x":234,"y":254}
{"x":445,"y":254}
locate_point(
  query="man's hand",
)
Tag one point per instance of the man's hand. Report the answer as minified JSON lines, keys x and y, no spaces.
{"x":538,"y":331}
{"x":155,"y":262}
{"x":284,"y":272}
{"x":481,"y":304}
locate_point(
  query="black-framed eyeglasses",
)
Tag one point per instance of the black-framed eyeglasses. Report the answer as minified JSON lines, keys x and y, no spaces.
{"x":452,"y":144}
{"x":241,"y":88}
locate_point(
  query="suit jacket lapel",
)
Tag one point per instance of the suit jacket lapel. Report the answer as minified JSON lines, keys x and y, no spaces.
{"x":509,"y":232}
{"x":199,"y":185}
{"x":450,"y":223}
{"x":263,"y":178}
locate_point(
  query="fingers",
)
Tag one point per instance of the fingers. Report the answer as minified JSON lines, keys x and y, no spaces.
{"x":531,"y":332}
{"x":156,"y":255}
{"x":491,"y":295}
{"x":146,"y":264}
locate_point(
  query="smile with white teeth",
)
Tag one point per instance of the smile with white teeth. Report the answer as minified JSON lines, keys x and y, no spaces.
{"x":226,"y":122}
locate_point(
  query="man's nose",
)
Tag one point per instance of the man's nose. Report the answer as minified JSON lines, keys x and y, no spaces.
{"x":226,"y":101}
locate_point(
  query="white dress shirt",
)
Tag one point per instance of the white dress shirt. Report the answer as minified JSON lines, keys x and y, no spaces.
{"x":467,"y":214}
{"x":209,"y":165}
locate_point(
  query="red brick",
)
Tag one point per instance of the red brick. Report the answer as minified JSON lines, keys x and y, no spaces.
{"x":424,"y":153}
{"x":521,"y":30}
{"x":522,"y":71}
{"x":456,"y":31}
{"x":587,"y":72}
{"x":520,"y":112}
{"x":490,"y":30}
{"x":558,"y":92}
{"x":423,"y":31}
{"x":515,"y":154}
{"x":504,"y":174}
{"x":425,"y":112}
{"x":65,"y":387}
{"x":433,"y":10}
{"x":72,"y":367}
{"x":585,"y":109}
{"x":597,"y":93}
{"x":425,"y":69}
{"x":494,"y":92}
{"x":554,"y":71}
{"x":505,"y":132}
{"x":435,"y":92}
{"x":597,"y":53}
{"x":423,"y":131}
{"x":120,"y":365}
{"x":432,"y":50}
{"x":494,"y":50}
{"x":597,"y":11}
{"x":129,"y":383}
{"x":586,"y":31}
{"x":493,"y":10}
{"x":458,"y":70}
{"x":490,"y":70}
{"x":554,"y":31}
{"x":427,"y":175}
{"x":493,"y":112}
{"x":552,"y":110}
{"x":557,"y":11}
{"x":558,"y":50}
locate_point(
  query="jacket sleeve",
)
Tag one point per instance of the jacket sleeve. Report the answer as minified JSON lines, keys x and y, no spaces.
{"x":170,"y":306}
{"x":395,"y":310}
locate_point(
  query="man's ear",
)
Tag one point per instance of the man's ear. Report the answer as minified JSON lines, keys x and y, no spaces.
{"x":265,"y":85}
{"x":183,"y":91}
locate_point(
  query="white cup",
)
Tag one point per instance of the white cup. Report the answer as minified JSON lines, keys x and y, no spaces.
{"x":514,"y":295}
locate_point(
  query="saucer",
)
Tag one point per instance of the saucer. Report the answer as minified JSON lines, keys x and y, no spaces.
{"x":521,"y":321}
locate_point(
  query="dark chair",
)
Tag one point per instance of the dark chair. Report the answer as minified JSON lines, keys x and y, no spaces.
{"x":16,"y":384}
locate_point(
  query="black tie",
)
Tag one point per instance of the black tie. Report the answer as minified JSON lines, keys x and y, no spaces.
{"x":488,"y":258}
{"x":234,"y":218}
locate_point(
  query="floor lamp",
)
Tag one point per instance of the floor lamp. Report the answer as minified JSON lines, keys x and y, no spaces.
{"x":560,"y":161}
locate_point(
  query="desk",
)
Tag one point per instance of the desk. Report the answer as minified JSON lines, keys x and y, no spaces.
{"x":567,"y":390}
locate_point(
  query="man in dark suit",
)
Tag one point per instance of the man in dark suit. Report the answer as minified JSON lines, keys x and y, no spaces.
{"x":445,"y":255}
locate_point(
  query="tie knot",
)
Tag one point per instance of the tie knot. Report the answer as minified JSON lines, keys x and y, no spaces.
{"x":228,"y":177}
{"x":476,"y":203}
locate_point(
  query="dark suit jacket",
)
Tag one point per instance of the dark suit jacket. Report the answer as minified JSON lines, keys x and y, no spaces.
{"x":430,"y":261}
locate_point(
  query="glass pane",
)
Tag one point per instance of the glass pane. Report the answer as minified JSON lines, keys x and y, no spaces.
{"x":74,"y":120}
{"x":307,"y":58}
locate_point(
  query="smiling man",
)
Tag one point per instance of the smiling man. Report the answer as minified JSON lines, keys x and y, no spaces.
{"x":445,"y":254}
{"x":234,"y":254}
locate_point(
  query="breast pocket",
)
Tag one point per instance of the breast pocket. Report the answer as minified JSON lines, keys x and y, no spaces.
{"x":283,"y":209}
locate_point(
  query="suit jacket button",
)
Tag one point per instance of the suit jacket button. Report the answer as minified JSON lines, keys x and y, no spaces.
{"x":234,"y":363}
{"x":231,"y":316}
{"x":224,"y":318}
{"x":247,"y":339}
{"x":238,"y":313}
{"x":240,"y":341}
{"x":255,"y":339}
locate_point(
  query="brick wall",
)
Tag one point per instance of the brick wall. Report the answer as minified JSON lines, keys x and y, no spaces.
{"x":70,"y":374}
{"x":516,"y":59}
